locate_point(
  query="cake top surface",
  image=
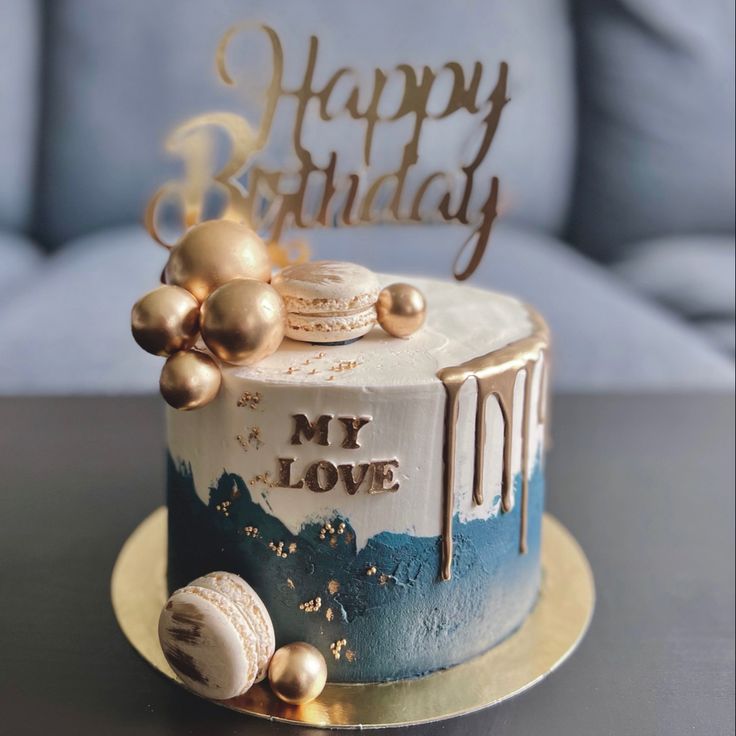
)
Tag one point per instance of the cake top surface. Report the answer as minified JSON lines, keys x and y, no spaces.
{"x":463,"y":322}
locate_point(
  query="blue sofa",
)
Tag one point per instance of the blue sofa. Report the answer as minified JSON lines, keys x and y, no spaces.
{"x":616,"y":159}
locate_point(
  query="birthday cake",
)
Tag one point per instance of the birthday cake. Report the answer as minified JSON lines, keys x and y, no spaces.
{"x":382,"y":496}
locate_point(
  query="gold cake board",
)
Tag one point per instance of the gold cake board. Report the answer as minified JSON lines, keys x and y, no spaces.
{"x":544,"y":641}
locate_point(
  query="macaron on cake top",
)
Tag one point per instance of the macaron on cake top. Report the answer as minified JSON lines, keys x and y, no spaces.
{"x":217,"y":636}
{"x":328,"y":301}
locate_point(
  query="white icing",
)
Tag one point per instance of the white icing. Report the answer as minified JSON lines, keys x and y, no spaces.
{"x":394,"y":383}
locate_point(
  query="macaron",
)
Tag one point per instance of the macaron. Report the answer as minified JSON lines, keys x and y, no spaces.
{"x":328,"y":301}
{"x":217,"y":636}
{"x":252,"y":607}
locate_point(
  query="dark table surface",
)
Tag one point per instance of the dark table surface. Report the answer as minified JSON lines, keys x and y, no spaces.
{"x":646,"y":484}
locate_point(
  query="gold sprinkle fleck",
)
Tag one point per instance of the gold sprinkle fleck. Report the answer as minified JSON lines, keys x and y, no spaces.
{"x":329,"y":615}
{"x":278,"y":549}
{"x":292,"y":548}
{"x":350,"y":655}
{"x":383,"y":579}
{"x":249,"y":400}
{"x":264,"y":478}
{"x":253,"y":439}
{"x":371,"y":570}
{"x":336,"y":647}
{"x":224,"y":507}
{"x":344,"y":365}
{"x":311,"y":606}
{"x":333,"y":586}
{"x":290,"y":583}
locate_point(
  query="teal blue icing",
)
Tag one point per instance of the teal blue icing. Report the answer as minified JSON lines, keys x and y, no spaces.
{"x":401,"y":622}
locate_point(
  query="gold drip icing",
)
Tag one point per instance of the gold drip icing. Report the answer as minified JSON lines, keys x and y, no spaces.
{"x":495,"y":374}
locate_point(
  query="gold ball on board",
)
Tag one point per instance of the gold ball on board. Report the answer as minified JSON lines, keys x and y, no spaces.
{"x":401,"y":309}
{"x":214,"y":252}
{"x":189,"y":380}
{"x":297,"y":673}
{"x":243,"y":321}
{"x":165,"y":320}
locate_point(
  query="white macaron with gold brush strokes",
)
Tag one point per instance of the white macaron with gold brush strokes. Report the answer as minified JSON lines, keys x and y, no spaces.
{"x":217,"y":635}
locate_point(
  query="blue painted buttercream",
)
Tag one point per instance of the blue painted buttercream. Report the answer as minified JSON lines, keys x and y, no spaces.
{"x":401,"y":621}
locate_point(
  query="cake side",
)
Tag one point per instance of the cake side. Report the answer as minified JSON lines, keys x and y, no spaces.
{"x":383,"y":608}
{"x":318,"y":476}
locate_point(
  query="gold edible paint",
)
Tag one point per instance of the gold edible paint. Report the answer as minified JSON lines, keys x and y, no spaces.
{"x":495,"y":374}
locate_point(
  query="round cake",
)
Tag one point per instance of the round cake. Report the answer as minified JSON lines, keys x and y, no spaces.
{"x":384,"y":498}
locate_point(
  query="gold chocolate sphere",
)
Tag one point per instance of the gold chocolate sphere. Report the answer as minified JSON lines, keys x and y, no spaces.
{"x":165,"y":320}
{"x":401,"y":309}
{"x":189,"y":380}
{"x":243,"y":321}
{"x":297,"y":673}
{"x":215,"y":252}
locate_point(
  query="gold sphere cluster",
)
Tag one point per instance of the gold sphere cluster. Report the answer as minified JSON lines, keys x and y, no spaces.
{"x":214,"y":252}
{"x":243,"y":321}
{"x":216,"y":297}
{"x":165,"y":320}
{"x":189,"y":379}
{"x":215,"y":287}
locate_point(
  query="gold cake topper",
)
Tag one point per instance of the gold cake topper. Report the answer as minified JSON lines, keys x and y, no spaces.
{"x":314,"y":194}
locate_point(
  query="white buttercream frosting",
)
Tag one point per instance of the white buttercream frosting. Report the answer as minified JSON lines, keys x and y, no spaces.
{"x":390,"y":380}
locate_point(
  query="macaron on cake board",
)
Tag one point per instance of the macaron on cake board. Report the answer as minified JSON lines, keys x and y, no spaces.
{"x":217,"y":636}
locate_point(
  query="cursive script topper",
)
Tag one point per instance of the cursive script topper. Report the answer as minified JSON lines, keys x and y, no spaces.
{"x":316,"y":191}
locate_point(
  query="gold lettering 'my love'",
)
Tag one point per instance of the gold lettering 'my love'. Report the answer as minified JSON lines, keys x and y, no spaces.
{"x":313,"y":194}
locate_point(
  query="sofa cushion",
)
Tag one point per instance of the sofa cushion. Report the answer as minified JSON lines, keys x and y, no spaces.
{"x":657,"y":121}
{"x":20,"y":49}
{"x":693,"y":276}
{"x":721,"y":332}
{"x":20,"y":259}
{"x":604,"y":336}
{"x":122,"y":74}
